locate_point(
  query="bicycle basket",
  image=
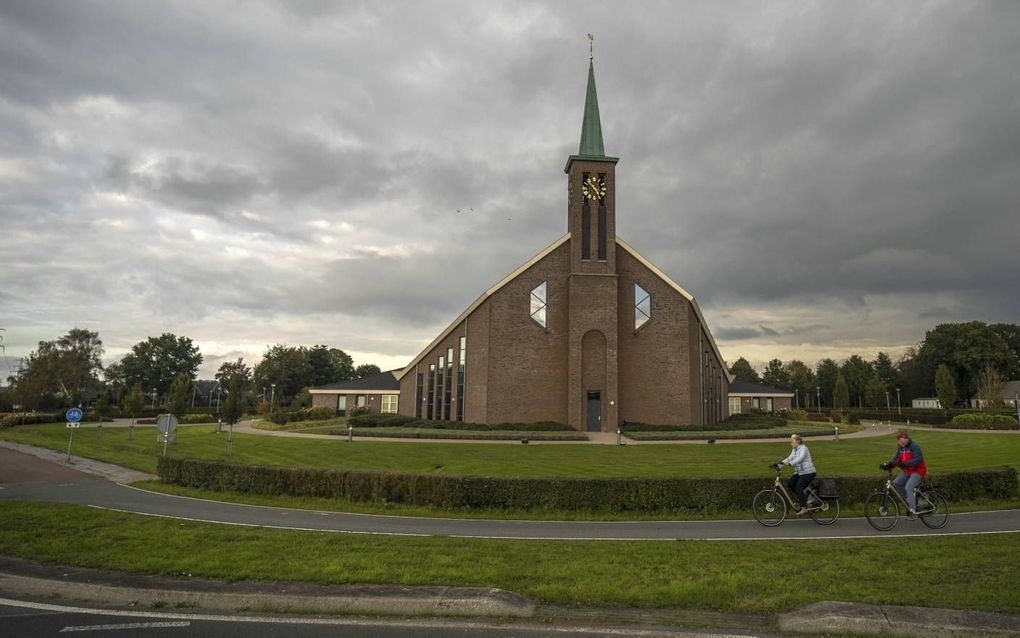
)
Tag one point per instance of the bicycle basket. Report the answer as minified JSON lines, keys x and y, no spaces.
{"x":826,"y":488}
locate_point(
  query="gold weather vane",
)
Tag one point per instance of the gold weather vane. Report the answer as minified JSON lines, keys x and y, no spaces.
{"x":591,"y":47}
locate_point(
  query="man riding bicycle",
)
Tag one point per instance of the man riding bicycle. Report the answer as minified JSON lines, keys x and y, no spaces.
{"x":909,"y":458}
{"x":803,"y":471}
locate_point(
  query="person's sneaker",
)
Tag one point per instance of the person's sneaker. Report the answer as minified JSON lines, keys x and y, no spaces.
{"x":801,"y":512}
{"x":911,"y":515}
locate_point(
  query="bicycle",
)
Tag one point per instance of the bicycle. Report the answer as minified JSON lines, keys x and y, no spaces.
{"x":771,"y":504}
{"x":882,"y":507}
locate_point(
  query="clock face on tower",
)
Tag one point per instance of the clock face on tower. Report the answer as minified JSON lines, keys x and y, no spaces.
{"x":593,"y":187}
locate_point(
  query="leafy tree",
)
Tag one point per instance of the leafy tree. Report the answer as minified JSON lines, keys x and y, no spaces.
{"x":1010,"y":335}
{"x":857,"y":372}
{"x":102,"y":405}
{"x":343,"y":365}
{"x":180,"y":395}
{"x":285,"y":366}
{"x":825,"y":375}
{"x":66,"y":367}
{"x":965,"y":348}
{"x":231,"y":371}
{"x":743,"y":370}
{"x":366,"y":370}
{"x":233,"y":406}
{"x":158,"y":361}
{"x":802,"y":380}
{"x":912,"y":381}
{"x":134,"y":402}
{"x":876,"y":393}
{"x":945,"y":387}
{"x":989,"y":390}
{"x":841,"y":393}
{"x":885,"y":370}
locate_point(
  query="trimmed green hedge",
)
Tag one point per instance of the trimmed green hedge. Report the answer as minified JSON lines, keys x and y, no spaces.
{"x":457,"y":492}
{"x":732,"y":423}
{"x":282,"y":417}
{"x":414,"y":432}
{"x":402,"y":421}
{"x":982,"y":421}
{"x":29,"y":418}
{"x":804,"y":429}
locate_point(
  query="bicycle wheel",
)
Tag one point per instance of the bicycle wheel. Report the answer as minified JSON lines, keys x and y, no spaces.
{"x":881,"y":510}
{"x":829,"y":512}
{"x":769,"y":508}
{"x":937,"y":515}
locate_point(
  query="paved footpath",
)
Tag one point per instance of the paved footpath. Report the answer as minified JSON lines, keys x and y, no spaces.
{"x":114,"y":496}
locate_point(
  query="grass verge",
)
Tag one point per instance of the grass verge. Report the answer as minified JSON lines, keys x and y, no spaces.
{"x":538,"y":514}
{"x":943,"y":451}
{"x":725,"y":576}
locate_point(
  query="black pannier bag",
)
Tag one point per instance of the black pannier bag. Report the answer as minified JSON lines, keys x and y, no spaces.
{"x":826,"y":488}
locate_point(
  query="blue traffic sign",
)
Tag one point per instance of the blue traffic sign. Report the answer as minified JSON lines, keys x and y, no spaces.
{"x":73,"y":415}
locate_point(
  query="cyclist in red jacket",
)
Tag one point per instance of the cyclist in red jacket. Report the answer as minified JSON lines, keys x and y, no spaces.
{"x":909,"y":458}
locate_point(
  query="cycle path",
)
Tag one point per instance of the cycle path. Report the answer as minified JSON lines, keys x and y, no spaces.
{"x":114,"y":496}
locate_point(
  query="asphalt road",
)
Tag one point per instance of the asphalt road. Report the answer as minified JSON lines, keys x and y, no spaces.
{"x":98,"y":492}
{"x":27,"y":619}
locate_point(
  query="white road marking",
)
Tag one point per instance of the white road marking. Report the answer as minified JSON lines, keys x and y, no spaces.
{"x":566,"y":538}
{"x":129,"y":625}
{"x":274,"y":620}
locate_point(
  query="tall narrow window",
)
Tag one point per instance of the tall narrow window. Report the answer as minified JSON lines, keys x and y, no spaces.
{"x":449,"y":384}
{"x":460,"y":378}
{"x":538,"y":303}
{"x":440,"y":373}
{"x":602,"y":216}
{"x":418,"y":396}
{"x":586,"y":232}
{"x":432,"y":391}
{"x":642,"y":307}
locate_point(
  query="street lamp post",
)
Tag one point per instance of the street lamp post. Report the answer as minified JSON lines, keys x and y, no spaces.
{"x":1016,"y":404}
{"x":796,"y":395}
{"x":887,"y":400}
{"x":898,"y":411}
{"x":818,"y":389}
{"x":154,"y":398}
{"x":272,"y":397}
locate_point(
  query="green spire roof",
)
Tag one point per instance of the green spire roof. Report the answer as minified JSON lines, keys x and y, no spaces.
{"x":591,"y":127}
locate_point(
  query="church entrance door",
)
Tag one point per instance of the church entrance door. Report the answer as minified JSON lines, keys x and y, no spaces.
{"x":594,"y":421}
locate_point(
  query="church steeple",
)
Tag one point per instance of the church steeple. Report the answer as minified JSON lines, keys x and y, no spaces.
{"x":591,"y":127}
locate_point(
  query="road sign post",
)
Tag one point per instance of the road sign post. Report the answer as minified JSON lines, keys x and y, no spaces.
{"x":167,"y":424}
{"x":73,"y":416}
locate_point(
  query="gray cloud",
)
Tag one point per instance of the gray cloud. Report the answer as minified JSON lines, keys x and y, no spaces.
{"x":825,"y":178}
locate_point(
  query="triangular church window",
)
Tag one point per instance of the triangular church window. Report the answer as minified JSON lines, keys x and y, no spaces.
{"x":642,"y":306}
{"x":538,"y":303}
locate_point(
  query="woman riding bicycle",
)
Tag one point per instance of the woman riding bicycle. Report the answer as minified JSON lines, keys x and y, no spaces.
{"x":908,"y":456}
{"x":803,"y":471}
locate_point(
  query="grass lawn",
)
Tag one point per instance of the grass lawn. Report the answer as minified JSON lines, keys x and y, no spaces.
{"x":975,"y":572}
{"x":544,"y":514}
{"x":943,"y":451}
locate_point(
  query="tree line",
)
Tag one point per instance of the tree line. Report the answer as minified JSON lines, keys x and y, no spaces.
{"x":163,"y":371}
{"x":954,"y":362}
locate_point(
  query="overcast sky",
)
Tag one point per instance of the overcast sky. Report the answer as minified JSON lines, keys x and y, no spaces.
{"x":825,"y":177}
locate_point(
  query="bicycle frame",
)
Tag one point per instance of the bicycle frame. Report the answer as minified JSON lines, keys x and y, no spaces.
{"x":791,"y":499}
{"x":889,"y":489}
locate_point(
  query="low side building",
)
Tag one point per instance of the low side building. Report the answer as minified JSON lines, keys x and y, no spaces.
{"x":377,"y":393}
{"x":746,"y":396}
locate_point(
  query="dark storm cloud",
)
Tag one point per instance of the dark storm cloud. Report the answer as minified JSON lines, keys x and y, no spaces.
{"x":826,"y":178}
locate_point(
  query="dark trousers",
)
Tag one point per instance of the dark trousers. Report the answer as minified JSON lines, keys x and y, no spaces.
{"x":797,"y":484}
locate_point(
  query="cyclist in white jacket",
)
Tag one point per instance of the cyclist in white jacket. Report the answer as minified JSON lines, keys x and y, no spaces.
{"x":803,"y":470}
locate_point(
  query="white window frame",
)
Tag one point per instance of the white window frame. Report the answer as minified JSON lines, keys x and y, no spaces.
{"x":641,"y":316}
{"x":389,"y":403}
{"x":540,"y":304}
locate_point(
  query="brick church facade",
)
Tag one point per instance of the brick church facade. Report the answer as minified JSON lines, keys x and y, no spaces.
{"x":587,"y":332}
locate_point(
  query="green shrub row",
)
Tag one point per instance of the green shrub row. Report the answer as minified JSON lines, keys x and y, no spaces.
{"x":282,"y":417}
{"x":732,"y":423}
{"x":803,"y":429}
{"x":29,"y":418}
{"x":475,"y":435}
{"x":400,"y":420}
{"x":587,"y":494}
{"x":982,"y":421}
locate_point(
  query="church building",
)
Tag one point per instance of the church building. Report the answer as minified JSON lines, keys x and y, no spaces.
{"x":587,"y":332}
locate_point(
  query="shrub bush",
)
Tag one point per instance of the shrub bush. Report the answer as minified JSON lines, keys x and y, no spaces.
{"x":618,"y":494}
{"x":283,"y":417}
{"x":29,"y":418}
{"x":982,"y":421}
{"x":197,"y":418}
{"x":734,"y":422}
{"x":796,"y":415}
{"x":399,"y":420}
